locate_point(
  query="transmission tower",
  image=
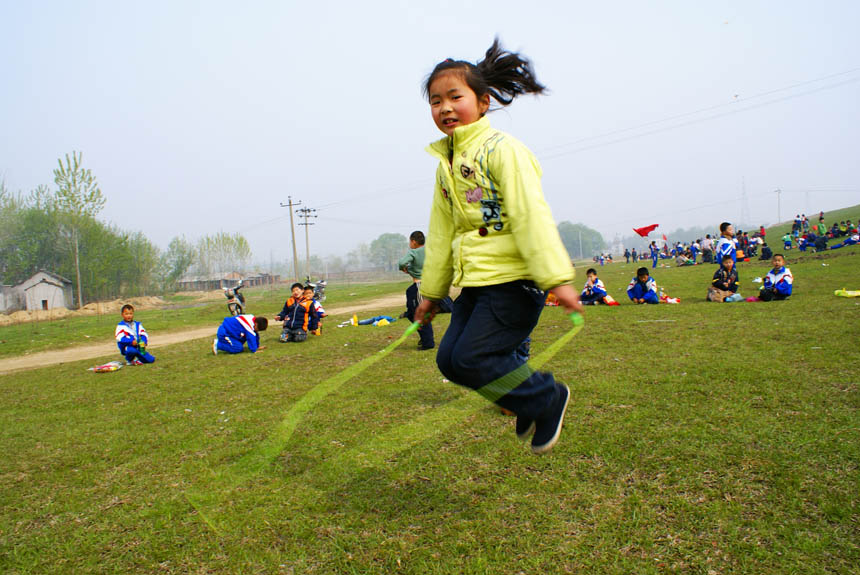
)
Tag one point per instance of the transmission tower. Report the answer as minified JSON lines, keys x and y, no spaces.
{"x":307,"y":213}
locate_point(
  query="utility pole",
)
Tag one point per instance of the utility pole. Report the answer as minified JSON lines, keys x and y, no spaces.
{"x":778,"y":207}
{"x":307,"y":213}
{"x":580,"y":244}
{"x":290,"y":205}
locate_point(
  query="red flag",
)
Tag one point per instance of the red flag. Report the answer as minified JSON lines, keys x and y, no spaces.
{"x":646,"y":230}
{"x":665,"y":239}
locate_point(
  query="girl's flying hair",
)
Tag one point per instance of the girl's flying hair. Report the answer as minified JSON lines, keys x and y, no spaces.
{"x":501,"y":74}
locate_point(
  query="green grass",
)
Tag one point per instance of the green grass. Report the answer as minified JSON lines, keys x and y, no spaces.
{"x":700,"y":438}
{"x":180,"y":313}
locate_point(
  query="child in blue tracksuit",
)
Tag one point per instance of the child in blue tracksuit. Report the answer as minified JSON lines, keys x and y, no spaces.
{"x":778,"y":282}
{"x":235,"y":331}
{"x":594,"y":291}
{"x":642,"y":288}
{"x":726,"y":245}
{"x":655,"y":253}
{"x":131,"y":338}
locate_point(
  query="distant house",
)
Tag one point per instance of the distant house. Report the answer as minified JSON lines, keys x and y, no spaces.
{"x":41,"y":291}
{"x":45,"y":290}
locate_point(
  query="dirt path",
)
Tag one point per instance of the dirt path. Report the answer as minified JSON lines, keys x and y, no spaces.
{"x":108,"y":348}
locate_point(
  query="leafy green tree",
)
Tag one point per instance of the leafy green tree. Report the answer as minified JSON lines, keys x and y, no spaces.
{"x":359,"y":257}
{"x":78,"y":198}
{"x":387,"y":249}
{"x":222,"y":252}
{"x":580,"y":240}
{"x":176,"y":261}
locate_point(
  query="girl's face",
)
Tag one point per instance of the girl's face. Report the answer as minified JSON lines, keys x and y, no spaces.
{"x":453,"y":103}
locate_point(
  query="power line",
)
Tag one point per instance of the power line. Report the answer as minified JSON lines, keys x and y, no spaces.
{"x":696,"y":121}
{"x":734,"y":102}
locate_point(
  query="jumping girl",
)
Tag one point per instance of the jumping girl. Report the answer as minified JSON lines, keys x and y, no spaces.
{"x":492,"y":233}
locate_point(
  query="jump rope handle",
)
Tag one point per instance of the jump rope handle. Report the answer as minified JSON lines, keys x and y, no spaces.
{"x":413,"y":328}
{"x":577,"y":319}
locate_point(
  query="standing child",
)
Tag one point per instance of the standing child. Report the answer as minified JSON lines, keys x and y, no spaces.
{"x":643,"y":288}
{"x":295,"y":315}
{"x":492,"y":233}
{"x":594,"y":291}
{"x":726,"y":245}
{"x":778,"y":282}
{"x":235,"y":331}
{"x":655,"y":253}
{"x":413,"y":263}
{"x":131,"y":338}
{"x":316,"y":311}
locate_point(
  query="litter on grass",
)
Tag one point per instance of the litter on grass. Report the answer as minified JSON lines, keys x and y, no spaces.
{"x":847,"y":292}
{"x":107,"y":367}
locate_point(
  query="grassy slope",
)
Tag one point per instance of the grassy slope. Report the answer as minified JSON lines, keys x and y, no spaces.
{"x":701,"y":438}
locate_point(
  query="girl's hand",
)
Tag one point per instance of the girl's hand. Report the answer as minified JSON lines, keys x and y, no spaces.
{"x":567,"y":297}
{"x":426,"y":311}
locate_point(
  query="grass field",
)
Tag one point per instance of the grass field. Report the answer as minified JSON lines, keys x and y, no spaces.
{"x":701,"y":438}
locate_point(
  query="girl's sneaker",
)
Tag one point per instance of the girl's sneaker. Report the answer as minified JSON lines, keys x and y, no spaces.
{"x":525,"y":427}
{"x":548,"y":425}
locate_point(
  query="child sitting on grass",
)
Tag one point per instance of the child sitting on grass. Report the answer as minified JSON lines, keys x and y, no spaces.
{"x":131,"y":338}
{"x":724,"y":286}
{"x":778,"y":283}
{"x":295,"y":315}
{"x":594,"y":291}
{"x":642,"y":288}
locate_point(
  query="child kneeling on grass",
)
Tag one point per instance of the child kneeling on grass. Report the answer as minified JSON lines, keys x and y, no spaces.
{"x":315,"y":311}
{"x":778,"y":283}
{"x":235,"y":331}
{"x":131,"y":338}
{"x":642,"y":288}
{"x":295,"y":315}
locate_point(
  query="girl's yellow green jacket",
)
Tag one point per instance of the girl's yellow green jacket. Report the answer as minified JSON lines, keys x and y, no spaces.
{"x":489,"y":223}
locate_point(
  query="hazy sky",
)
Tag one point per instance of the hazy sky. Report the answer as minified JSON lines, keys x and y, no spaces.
{"x":200,"y":117}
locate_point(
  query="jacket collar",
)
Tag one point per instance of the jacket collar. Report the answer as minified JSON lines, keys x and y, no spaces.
{"x":463,"y":136}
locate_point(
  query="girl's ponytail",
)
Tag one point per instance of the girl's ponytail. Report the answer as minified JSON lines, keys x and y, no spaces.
{"x":507,"y":74}
{"x":501,"y":74}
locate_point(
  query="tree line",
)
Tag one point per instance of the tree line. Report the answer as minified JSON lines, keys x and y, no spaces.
{"x":56,"y":229}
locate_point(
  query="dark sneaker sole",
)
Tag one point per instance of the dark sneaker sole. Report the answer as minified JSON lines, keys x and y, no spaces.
{"x":538,"y":449}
